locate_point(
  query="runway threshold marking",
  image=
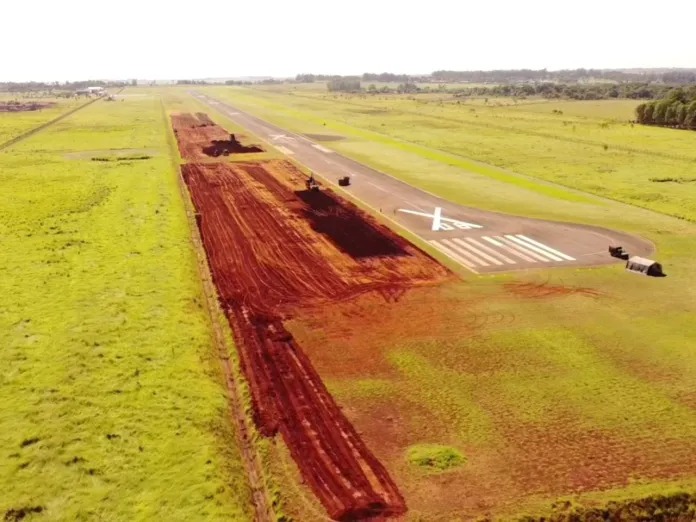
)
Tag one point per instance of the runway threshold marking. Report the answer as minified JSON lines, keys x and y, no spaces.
{"x":496,"y":250}
{"x":450,"y":253}
{"x":533,"y":248}
{"x":509,"y":250}
{"x":545,"y":247}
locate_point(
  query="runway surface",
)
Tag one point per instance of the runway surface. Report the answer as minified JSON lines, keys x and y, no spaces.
{"x":482,"y":241}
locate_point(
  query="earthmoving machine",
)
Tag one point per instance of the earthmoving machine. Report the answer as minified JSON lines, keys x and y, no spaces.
{"x":312,"y":183}
{"x":344,"y":181}
{"x":618,"y":252}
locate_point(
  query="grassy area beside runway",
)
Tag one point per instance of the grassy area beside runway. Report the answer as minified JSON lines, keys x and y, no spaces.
{"x":13,"y":124}
{"x":113,"y":408}
{"x":566,"y":385}
{"x":599,"y":152}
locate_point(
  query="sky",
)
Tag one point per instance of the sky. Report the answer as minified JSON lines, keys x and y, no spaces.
{"x":64,"y":40}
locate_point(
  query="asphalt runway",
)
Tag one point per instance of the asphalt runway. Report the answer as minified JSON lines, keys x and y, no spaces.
{"x":480,"y":240}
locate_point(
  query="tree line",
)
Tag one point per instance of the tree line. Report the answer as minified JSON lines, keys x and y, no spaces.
{"x":504,"y":76}
{"x":677,"y":109}
{"x":344,"y":84}
{"x":573,"y":91}
{"x":673,"y":76}
{"x":57,"y":86}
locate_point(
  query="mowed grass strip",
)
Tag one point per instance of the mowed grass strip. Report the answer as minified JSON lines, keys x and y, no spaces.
{"x":599,"y":153}
{"x":112,"y":405}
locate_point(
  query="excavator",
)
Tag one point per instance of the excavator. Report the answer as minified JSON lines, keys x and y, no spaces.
{"x":312,"y":183}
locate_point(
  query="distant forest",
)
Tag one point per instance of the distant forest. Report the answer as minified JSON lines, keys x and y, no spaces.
{"x":571,"y":75}
{"x":573,"y":91}
{"x":576,"y":84}
{"x":58,"y":86}
{"x":677,"y":109}
{"x":667,"y":76}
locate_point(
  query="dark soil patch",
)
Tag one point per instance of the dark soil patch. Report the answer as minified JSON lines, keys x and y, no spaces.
{"x":664,"y":508}
{"x":541,"y":290}
{"x":17,"y":514}
{"x":29,"y":442}
{"x":227,"y":147}
{"x":199,"y":138}
{"x":349,"y":231}
{"x":15,"y":106}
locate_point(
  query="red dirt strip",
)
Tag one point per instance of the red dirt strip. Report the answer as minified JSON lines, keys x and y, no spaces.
{"x":276,"y":250}
{"x":200,"y":138}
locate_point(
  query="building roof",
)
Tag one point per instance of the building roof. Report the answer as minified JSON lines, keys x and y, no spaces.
{"x":641,"y":261}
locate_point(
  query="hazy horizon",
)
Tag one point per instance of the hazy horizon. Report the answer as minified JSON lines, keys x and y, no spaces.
{"x":215,"y":39}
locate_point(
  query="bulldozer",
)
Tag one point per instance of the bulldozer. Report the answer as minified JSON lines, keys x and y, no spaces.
{"x":618,"y":251}
{"x":311,"y":183}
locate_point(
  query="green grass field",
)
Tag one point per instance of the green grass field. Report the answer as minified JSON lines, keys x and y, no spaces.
{"x":503,"y":403}
{"x":585,"y":399}
{"x":599,"y":153}
{"x":13,"y":124}
{"x":113,"y":408}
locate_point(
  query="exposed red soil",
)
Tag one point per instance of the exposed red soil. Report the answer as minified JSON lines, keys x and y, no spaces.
{"x":351,"y":339}
{"x":541,"y":290}
{"x":15,"y":106}
{"x":274,"y":249}
{"x":200,"y":138}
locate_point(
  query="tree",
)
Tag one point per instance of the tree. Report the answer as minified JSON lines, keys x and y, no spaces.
{"x":640,"y":113}
{"x":660,"y":111}
{"x":343,"y":84}
{"x":690,"y":121}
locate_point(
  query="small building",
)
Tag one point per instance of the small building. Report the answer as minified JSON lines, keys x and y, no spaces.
{"x":644,"y":266}
{"x":90,"y":90}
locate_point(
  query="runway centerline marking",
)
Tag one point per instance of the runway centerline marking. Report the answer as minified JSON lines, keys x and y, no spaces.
{"x":437,"y":216}
{"x":284,"y":150}
{"x":321,"y":148}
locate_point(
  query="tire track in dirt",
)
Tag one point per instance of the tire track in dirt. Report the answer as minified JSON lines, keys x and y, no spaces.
{"x":274,"y":249}
{"x":250,"y":458}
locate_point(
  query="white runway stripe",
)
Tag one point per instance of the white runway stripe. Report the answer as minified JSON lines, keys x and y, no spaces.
{"x":463,"y":253}
{"x":437,"y":215}
{"x":490,"y":250}
{"x":536,"y":249}
{"x":509,"y":250}
{"x":497,"y":251}
{"x":545,"y":247}
{"x":284,"y":150}
{"x":520,"y":248}
{"x":478,"y":252}
{"x":451,"y":254}
{"x":321,"y":148}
